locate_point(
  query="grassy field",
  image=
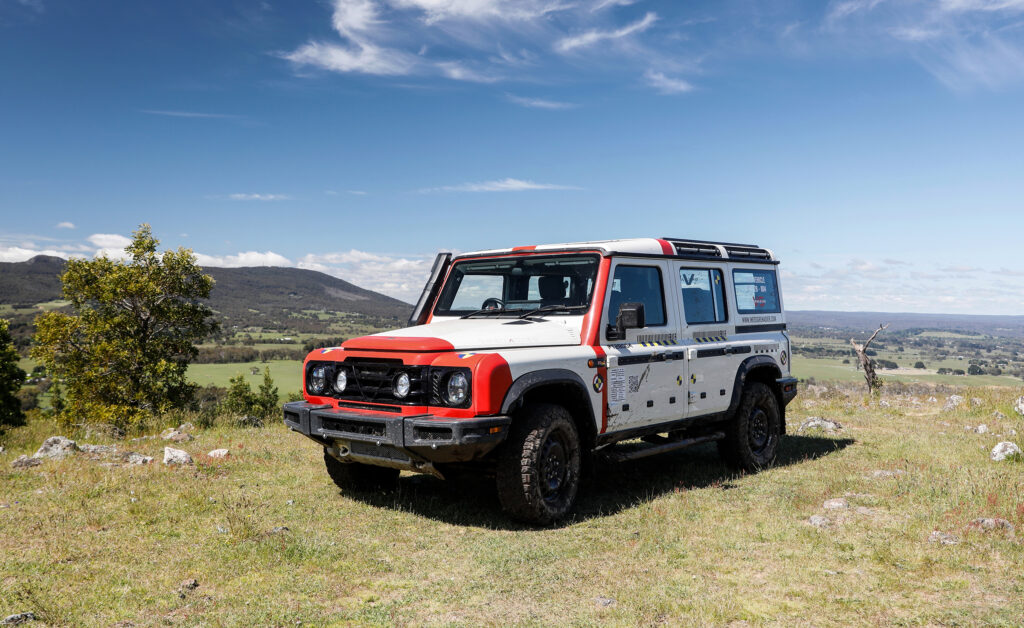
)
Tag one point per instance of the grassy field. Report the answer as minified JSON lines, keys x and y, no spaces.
{"x":287,"y":374}
{"x":672,"y":540}
{"x":833,"y":369}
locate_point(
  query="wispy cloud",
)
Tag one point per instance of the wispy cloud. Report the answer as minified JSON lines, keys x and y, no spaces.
{"x":243,"y":259}
{"x":666,"y":84}
{"x":254,"y":197}
{"x":189,"y":114}
{"x":605,"y":4}
{"x":500,"y":185}
{"x":65,"y":225}
{"x":591,"y":37}
{"x":539,"y":103}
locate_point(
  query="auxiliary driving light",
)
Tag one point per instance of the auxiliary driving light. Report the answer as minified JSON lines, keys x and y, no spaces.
{"x":401,"y":385}
{"x":341,"y":381}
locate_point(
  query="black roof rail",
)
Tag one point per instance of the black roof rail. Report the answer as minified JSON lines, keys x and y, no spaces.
{"x":696,"y":248}
{"x":749,"y":252}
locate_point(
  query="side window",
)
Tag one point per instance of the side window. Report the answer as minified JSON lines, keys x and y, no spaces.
{"x":756,"y":291}
{"x":703,"y":295}
{"x":638,"y":284}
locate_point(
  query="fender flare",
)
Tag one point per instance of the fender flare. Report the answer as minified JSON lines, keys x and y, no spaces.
{"x":752,"y":363}
{"x":544,"y":377}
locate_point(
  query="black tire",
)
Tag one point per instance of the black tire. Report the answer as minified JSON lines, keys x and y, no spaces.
{"x":359,"y":478}
{"x":752,"y":436}
{"x":538,"y":466}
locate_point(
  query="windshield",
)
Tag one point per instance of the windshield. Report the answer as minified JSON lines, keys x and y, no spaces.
{"x":514,"y":285}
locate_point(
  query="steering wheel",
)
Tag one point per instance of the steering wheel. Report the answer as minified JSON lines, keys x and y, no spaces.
{"x":493,"y":303}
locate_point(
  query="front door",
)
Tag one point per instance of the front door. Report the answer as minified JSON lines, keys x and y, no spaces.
{"x":647,"y":374}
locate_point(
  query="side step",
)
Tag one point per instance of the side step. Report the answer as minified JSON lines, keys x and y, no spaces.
{"x":653,"y":450}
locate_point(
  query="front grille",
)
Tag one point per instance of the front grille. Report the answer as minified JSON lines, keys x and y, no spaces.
{"x":371,"y":380}
{"x":349,"y":426}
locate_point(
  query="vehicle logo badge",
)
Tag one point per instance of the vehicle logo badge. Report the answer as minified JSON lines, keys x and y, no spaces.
{"x":598,"y":383}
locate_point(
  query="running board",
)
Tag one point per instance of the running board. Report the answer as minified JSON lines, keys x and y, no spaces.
{"x":622,"y":456}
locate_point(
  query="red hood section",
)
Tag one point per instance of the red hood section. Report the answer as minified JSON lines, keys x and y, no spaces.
{"x":399,"y":343}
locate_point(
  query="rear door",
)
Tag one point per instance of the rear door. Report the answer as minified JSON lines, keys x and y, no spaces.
{"x":647,"y":369}
{"x":713,"y":354}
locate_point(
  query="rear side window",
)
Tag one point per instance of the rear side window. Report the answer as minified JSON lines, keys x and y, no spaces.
{"x":703,"y":295}
{"x":756,"y":291}
{"x":638,"y":284}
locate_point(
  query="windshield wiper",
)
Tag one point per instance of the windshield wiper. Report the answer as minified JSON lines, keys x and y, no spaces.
{"x":486,"y":310}
{"x":547,"y":309}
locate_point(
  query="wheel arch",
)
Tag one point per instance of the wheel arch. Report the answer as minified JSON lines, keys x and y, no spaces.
{"x":560,"y":387}
{"x":763,"y":369}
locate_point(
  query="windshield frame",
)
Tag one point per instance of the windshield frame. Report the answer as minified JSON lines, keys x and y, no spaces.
{"x":524,"y":305}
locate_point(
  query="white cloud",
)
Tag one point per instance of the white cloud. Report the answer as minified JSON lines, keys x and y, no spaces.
{"x":65,"y":225}
{"x":982,"y":5}
{"x":437,"y":10}
{"x":667,"y":84}
{"x":398,"y":276}
{"x":21,"y":254}
{"x":186,"y":114}
{"x":245,"y":258}
{"x":258,"y":197}
{"x":500,"y":185}
{"x":360,"y":57}
{"x":914,"y":33}
{"x":604,"y":4}
{"x":539,"y":103}
{"x":109,"y":240}
{"x":591,"y":37}
{"x":459,"y":72}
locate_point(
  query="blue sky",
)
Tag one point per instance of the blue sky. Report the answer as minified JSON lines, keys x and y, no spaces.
{"x":875,"y":145}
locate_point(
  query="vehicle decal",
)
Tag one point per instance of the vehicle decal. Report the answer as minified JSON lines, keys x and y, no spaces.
{"x":679,"y":380}
{"x":634,"y":383}
{"x":603,"y":372}
{"x":710,"y":336}
{"x":617,"y":383}
{"x":463,"y":356}
{"x":750,"y":329}
{"x":663,"y":343}
{"x":656,"y":340}
{"x":598,"y":383}
{"x":329,"y":349}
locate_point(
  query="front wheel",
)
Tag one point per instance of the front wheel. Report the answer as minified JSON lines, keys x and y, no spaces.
{"x":752,"y":437}
{"x":538,"y":467}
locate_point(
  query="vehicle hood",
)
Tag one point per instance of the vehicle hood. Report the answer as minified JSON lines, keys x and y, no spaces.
{"x":475,"y":334}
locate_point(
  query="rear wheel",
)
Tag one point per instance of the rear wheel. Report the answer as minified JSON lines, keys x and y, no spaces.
{"x":752,"y":437}
{"x":538,"y":466}
{"x":358,"y":477}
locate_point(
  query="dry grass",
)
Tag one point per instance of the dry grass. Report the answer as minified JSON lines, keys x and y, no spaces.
{"x":675,"y":540}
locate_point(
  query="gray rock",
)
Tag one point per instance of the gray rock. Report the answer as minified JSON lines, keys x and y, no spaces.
{"x":20,"y":618}
{"x":176,"y":436}
{"x":819,"y":521}
{"x":2,"y":450}
{"x":981,"y":429}
{"x":24,"y":462}
{"x":1018,"y":406}
{"x":218,"y":453}
{"x":932,"y":400}
{"x":885,"y":473}
{"x":280,"y":530}
{"x":943,"y":538}
{"x":953,"y":402}
{"x":1004,"y":450}
{"x":176,"y":456}
{"x":817,"y":423}
{"x":187,"y":586}
{"x":56,"y":448}
{"x":186,"y":427}
{"x":988,"y":524}
{"x":999,"y":416}
{"x":133,"y":458}
{"x":884,"y":403}
{"x":604,"y":601}
{"x":835,"y":504}
{"x":97,"y":450}
{"x":976,"y":401}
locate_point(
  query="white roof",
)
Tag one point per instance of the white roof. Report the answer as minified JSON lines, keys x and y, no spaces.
{"x":650,"y":246}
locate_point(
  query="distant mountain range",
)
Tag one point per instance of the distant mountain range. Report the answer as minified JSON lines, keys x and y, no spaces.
{"x":259,"y":296}
{"x":1005,"y":326}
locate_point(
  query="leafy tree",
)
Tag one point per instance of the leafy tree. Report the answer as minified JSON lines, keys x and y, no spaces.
{"x":919,"y":365}
{"x":11,"y":379}
{"x":123,"y":352}
{"x":267,"y":399}
{"x":974,"y":369}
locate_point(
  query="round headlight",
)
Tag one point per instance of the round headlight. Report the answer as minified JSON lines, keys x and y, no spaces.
{"x":317,"y":380}
{"x":458,"y":388}
{"x":341,"y":381}
{"x":401,"y":385}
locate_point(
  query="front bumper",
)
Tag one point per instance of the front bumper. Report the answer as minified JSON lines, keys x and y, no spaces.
{"x":788,"y":387}
{"x":404,"y":442}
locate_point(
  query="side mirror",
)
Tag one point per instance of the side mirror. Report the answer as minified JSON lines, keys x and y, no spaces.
{"x":630,"y":316}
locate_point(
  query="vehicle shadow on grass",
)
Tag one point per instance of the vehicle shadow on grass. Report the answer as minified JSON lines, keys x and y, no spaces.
{"x":611,"y":488}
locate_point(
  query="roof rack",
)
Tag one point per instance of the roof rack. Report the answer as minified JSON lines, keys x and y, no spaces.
{"x":747,"y":252}
{"x":749,"y":246}
{"x":732,"y":250}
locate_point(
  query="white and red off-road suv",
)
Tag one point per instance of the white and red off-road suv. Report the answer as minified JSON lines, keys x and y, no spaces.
{"x":525,"y":362}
